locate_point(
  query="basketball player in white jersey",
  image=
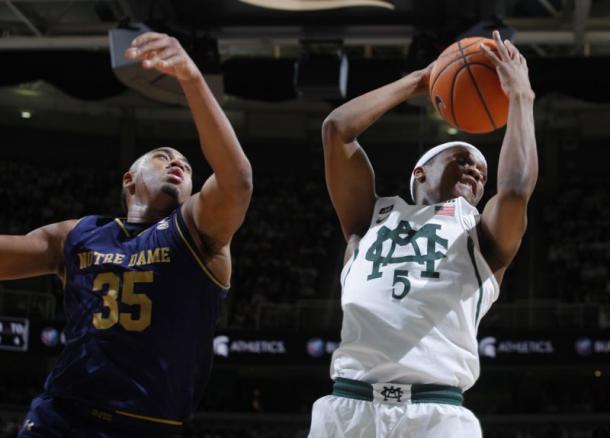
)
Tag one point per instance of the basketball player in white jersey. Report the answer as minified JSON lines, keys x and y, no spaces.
{"x":418,"y":278}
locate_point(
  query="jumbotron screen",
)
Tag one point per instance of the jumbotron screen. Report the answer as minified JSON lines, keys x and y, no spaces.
{"x":14,"y":333}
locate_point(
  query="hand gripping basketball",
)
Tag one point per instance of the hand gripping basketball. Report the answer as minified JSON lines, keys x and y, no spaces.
{"x":465,"y":87}
{"x":511,"y":67}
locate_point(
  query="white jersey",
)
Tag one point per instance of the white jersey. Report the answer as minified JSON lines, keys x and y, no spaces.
{"x":413,"y":295}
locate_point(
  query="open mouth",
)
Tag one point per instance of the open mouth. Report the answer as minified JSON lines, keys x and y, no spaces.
{"x":471,"y":182}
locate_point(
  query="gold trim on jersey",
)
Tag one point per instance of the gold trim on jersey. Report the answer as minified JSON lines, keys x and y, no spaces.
{"x":197,"y":259}
{"x":153,"y":419}
{"x":122,"y":225}
{"x":118,"y":221}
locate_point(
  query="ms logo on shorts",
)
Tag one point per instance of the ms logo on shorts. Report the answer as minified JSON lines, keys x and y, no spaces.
{"x":392,"y":392}
{"x":382,"y":254}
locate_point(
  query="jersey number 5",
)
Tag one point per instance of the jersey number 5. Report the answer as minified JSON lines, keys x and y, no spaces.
{"x":128,"y":296}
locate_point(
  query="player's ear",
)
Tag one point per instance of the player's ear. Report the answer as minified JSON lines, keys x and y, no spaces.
{"x":129,"y":182}
{"x":420,"y":174}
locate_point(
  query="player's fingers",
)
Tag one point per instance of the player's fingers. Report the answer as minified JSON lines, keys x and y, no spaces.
{"x":157,"y":44}
{"x":500,"y":45}
{"x":172,"y":61}
{"x":146,"y":37}
{"x":510,"y":50}
{"x":147,"y":50}
{"x":491,"y":55}
{"x":170,"y":52}
{"x":515,"y":53}
{"x":160,"y":57}
{"x":523,"y":61}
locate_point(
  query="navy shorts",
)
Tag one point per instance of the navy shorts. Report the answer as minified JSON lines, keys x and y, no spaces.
{"x":51,"y":417}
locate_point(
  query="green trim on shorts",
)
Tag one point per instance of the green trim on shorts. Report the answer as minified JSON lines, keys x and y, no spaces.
{"x":353,"y":389}
{"x":360,"y":390}
{"x":443,"y":394}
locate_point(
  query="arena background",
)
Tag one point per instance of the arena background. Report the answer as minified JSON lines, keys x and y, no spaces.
{"x":69,"y":128}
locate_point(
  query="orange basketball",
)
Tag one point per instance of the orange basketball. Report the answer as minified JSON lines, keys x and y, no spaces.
{"x":465,"y":89}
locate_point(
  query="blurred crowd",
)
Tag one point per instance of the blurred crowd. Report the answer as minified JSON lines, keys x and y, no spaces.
{"x":288,"y":249}
{"x":536,"y":392}
{"x":578,"y":235}
{"x":280,"y":254}
{"x":36,"y":195}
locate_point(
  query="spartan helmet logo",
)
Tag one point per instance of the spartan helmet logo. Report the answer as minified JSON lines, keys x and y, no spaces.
{"x":487,"y":347}
{"x":221,"y":346}
{"x":391,"y":392}
{"x":440,"y":105}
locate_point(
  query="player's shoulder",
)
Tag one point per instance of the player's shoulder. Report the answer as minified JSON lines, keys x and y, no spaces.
{"x":386,"y":204}
{"x":389,"y":203}
{"x":86,"y":224}
{"x":92,"y":221}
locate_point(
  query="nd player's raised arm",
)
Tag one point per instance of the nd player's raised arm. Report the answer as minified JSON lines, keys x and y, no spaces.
{"x":39,"y":252}
{"x":219,"y":208}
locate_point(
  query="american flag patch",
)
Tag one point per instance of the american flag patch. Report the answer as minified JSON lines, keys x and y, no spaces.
{"x":444,"y":210}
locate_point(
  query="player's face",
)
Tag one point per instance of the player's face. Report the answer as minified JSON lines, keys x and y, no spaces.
{"x":458,"y":172}
{"x":166,"y":173}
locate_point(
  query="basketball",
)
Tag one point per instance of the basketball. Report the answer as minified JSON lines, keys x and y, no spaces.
{"x":465,"y":89}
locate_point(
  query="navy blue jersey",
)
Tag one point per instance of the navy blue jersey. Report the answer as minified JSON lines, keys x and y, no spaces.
{"x":141,"y":310}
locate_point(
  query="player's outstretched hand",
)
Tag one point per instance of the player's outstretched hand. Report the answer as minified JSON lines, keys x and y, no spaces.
{"x":511,"y":67}
{"x":163,"y":53}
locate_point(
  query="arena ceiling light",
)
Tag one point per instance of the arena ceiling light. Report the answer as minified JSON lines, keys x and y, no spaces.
{"x":316,"y":5}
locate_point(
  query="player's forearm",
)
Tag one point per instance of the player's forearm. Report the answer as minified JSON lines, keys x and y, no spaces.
{"x":219,"y":143}
{"x":353,"y":117}
{"x":518,"y":162}
{"x":24,"y":256}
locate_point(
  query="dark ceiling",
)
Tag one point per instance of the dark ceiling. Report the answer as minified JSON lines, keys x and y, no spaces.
{"x":65,"y":42}
{"x":424,"y":14}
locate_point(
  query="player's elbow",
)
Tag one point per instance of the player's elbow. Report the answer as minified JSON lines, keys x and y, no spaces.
{"x":519,"y":187}
{"x":513,"y":198}
{"x":242,"y":185}
{"x":334,"y":130}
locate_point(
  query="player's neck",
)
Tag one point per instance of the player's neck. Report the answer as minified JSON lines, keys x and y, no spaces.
{"x":435,"y":200}
{"x":145,"y":213}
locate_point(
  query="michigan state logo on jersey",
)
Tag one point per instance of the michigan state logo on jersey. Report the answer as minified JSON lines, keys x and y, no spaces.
{"x":382,"y":254}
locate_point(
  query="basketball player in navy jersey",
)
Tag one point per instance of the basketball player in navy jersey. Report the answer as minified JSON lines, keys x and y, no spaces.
{"x":142,"y":294}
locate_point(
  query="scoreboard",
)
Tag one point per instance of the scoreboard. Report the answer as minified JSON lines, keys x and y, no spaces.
{"x":14,"y":333}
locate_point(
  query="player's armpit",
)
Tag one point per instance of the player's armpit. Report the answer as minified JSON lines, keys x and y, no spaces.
{"x":352,"y":245}
{"x":502,"y":227}
{"x":39,"y":252}
{"x":217,"y":212}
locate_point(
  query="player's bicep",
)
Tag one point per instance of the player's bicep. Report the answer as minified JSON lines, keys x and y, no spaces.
{"x":350,"y":180}
{"x":39,"y":252}
{"x":503,"y":225}
{"x":217,"y":212}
